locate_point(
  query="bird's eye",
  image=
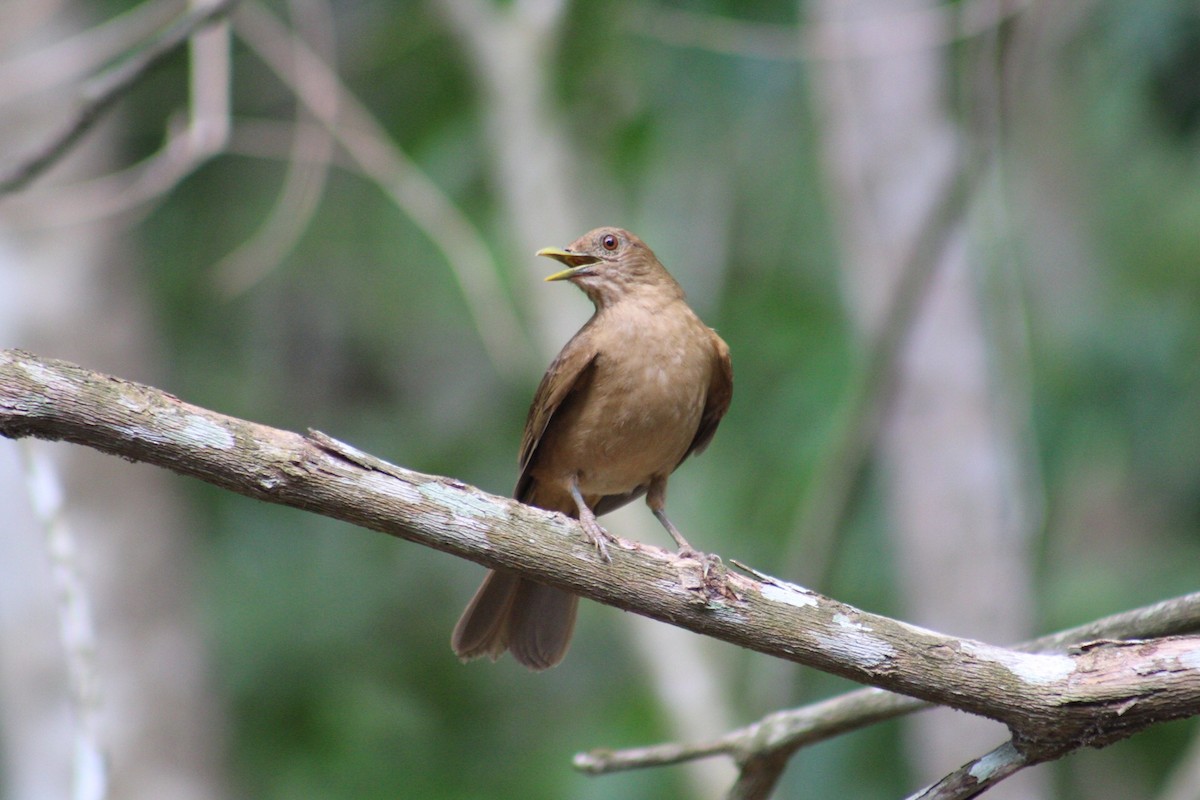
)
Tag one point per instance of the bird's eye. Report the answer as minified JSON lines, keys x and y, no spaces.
{"x":608,"y":241}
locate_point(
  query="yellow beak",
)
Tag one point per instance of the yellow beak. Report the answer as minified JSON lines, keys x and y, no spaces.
{"x":576,"y":262}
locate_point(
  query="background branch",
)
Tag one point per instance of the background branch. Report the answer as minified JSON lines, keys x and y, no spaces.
{"x":828,"y":498}
{"x":101,"y":92}
{"x":76,"y":626}
{"x":78,"y":54}
{"x":319,"y":88}
{"x":310,"y":155}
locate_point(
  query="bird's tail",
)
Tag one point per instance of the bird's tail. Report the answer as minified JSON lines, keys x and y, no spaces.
{"x":533,"y":621}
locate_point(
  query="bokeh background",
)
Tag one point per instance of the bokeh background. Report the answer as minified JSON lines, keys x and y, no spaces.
{"x":954,"y":247}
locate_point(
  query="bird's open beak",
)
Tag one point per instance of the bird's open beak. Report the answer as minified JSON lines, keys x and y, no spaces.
{"x":577,"y":263}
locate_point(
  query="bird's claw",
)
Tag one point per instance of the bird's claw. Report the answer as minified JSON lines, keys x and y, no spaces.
{"x":597,"y":536}
{"x":705,"y":576}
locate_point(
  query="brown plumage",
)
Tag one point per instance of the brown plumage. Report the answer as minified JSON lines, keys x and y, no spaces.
{"x":637,"y":390}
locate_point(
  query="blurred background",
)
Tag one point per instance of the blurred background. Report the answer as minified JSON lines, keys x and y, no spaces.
{"x":954,"y":248}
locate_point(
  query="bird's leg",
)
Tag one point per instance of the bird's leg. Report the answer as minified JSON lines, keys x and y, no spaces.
{"x":709,"y":580}
{"x":684,"y":547}
{"x":656,"y":498}
{"x":598,"y":536}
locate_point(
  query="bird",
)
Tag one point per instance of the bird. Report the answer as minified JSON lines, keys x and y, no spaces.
{"x":639,"y":388}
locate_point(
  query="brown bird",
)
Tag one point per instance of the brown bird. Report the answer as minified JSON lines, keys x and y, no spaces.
{"x":637,"y":390}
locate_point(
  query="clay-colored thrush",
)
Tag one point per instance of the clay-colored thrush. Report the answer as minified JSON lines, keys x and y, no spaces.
{"x":636,"y":391}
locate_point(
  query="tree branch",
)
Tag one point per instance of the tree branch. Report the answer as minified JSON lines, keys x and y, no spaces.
{"x":318,"y":87}
{"x":1098,"y":694}
{"x":762,"y":749}
{"x":976,"y":777}
{"x":101,"y":92}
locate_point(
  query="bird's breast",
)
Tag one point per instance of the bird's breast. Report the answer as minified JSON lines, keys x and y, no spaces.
{"x":641,"y":409}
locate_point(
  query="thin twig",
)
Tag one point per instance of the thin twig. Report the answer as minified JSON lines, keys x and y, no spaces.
{"x":99,"y":94}
{"x":75,"y":56}
{"x":976,"y":777}
{"x":310,"y":157}
{"x":828,"y":496}
{"x":89,"y":777}
{"x":210,"y":71}
{"x":414,"y":192}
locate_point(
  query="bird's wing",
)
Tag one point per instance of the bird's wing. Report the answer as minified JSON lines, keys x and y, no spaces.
{"x":569,"y":371}
{"x":720,"y":392}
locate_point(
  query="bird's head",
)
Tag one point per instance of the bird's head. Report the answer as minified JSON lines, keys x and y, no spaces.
{"x":609,"y":264}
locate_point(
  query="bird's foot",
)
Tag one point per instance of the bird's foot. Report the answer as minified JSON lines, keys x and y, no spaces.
{"x":705,"y":576}
{"x":595,"y":533}
{"x":716,"y":579}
